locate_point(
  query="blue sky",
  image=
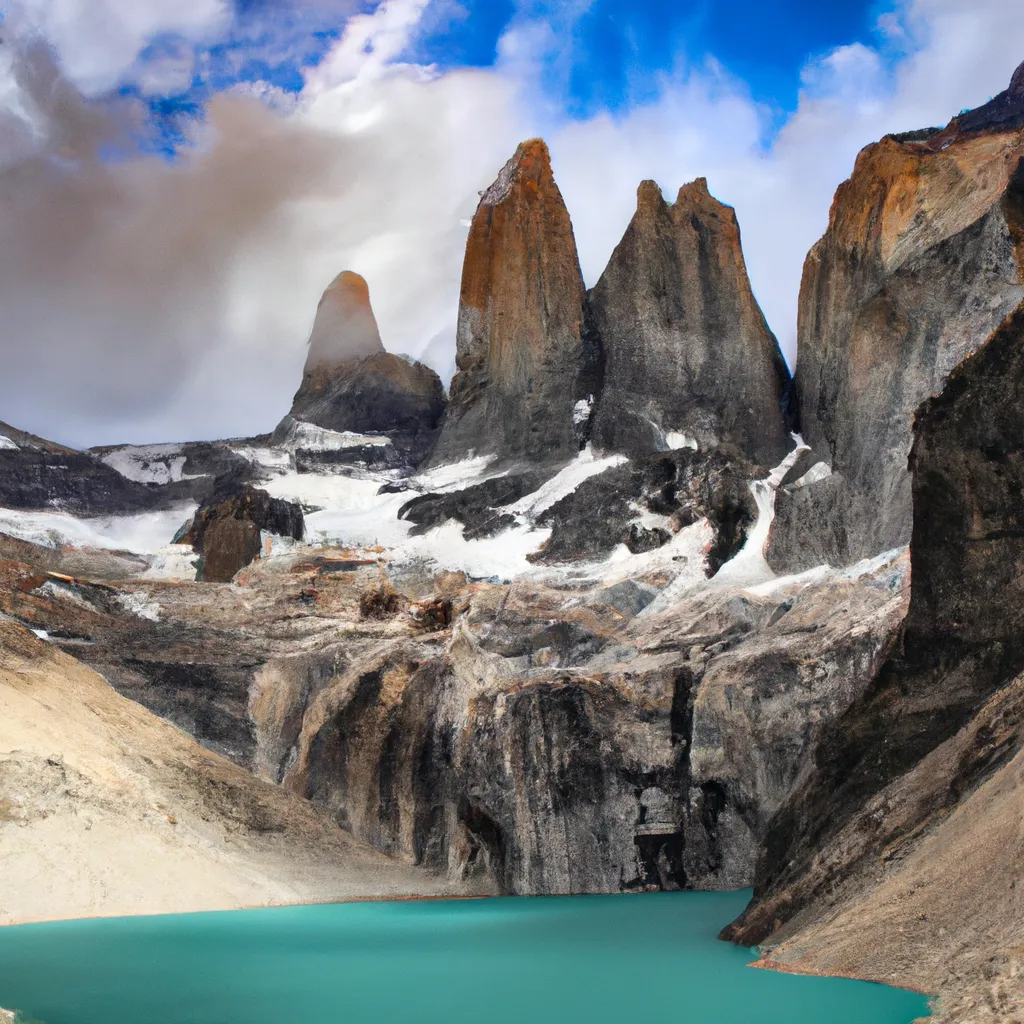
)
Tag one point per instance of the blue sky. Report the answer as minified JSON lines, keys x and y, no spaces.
{"x":615,"y":49}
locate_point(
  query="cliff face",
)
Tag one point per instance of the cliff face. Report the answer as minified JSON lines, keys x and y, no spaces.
{"x":522,"y":362}
{"x":687,"y":352}
{"x":922,"y":260}
{"x":943,"y":714}
{"x":350,"y":383}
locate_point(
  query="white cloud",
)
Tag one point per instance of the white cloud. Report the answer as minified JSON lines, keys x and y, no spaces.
{"x":97,"y":41}
{"x":184,"y":294}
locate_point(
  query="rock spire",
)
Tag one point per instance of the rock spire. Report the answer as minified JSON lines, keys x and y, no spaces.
{"x":520,"y":355}
{"x":688,"y":357}
{"x":350,"y":382}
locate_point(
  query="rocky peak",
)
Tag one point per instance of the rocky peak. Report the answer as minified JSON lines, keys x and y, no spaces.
{"x":688,"y":357}
{"x":350,"y":383}
{"x":345,"y":327}
{"x":519,"y":351}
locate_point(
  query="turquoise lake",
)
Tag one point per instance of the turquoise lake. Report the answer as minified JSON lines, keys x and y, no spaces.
{"x":647,"y":959}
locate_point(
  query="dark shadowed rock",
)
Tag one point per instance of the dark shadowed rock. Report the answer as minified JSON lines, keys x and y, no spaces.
{"x":680,"y":487}
{"x":227,"y":532}
{"x":522,"y":363}
{"x":686,"y":347}
{"x":922,"y":259}
{"x":350,"y":383}
{"x":963,"y":640}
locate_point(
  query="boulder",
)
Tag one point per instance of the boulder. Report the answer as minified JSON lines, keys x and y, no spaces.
{"x":227,"y":532}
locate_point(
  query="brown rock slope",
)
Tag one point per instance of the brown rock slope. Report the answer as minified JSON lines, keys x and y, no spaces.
{"x":106,"y":809}
{"x":922,"y":260}
{"x":686,"y":347}
{"x":350,"y":382}
{"x":522,"y":363}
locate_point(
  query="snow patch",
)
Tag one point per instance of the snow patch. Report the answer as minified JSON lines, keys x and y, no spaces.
{"x":455,"y":476}
{"x":676,"y":439}
{"x":137,"y":603}
{"x":749,"y":566}
{"x":564,"y":482}
{"x":302,"y":434}
{"x":6,"y":442}
{"x":865,"y":567}
{"x":149,"y":464}
{"x":819,"y":471}
{"x":274,"y":460}
{"x":142,"y":533}
{"x":172,"y":562}
{"x":582,"y":409}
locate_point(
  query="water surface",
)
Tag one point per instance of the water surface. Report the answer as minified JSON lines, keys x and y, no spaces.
{"x":647,"y":959}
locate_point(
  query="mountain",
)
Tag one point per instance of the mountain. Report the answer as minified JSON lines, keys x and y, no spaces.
{"x":521,"y":357}
{"x":608,"y":634}
{"x":350,"y":383}
{"x":921,"y":263}
{"x":687,"y":356}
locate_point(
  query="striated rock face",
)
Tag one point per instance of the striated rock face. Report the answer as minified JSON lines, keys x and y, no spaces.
{"x":686,"y":348}
{"x":226,"y":533}
{"x":962,"y":641}
{"x":522,"y":361}
{"x":350,"y":383}
{"x":922,"y":260}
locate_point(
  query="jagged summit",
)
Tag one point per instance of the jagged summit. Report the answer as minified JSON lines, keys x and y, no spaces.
{"x":688,"y":357}
{"x":345,"y":327}
{"x":874,"y":341}
{"x":520,"y":354}
{"x":531,"y":162}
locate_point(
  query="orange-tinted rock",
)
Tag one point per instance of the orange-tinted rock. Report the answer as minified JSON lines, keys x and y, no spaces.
{"x":922,"y":260}
{"x":350,"y":382}
{"x":520,"y":356}
{"x":686,"y":347}
{"x":345,"y":327}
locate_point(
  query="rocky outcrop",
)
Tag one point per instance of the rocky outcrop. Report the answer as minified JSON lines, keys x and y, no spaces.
{"x":106,"y":810}
{"x":350,"y":383}
{"x":522,"y":360}
{"x":227,"y":532}
{"x":688,"y":357}
{"x":922,"y":260}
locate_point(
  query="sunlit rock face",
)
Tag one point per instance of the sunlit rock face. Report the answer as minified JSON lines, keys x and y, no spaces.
{"x":350,"y":383}
{"x":688,"y":357}
{"x":922,"y":260}
{"x":522,"y":362}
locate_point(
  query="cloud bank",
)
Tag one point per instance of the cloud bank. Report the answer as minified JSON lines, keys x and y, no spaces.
{"x":151,"y":300}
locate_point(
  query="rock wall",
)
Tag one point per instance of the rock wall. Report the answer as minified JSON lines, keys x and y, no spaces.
{"x":687,"y":352}
{"x":921,"y":261}
{"x":962,"y":642}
